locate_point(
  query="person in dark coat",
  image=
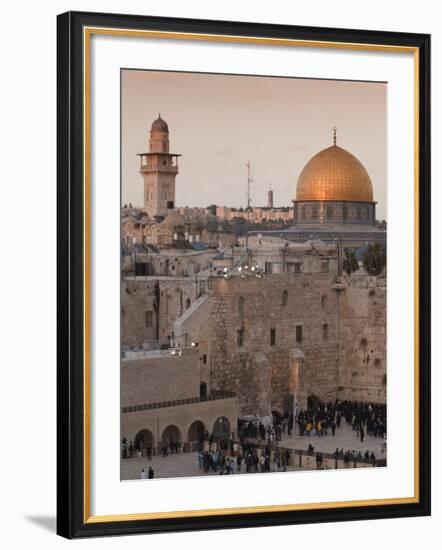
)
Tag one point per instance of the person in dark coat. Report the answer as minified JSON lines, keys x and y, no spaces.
{"x":150,"y":473}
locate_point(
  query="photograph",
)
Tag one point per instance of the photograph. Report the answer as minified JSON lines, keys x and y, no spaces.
{"x":253,"y":275}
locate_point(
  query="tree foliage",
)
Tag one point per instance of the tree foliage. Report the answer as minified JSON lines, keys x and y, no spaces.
{"x":350,"y":262}
{"x":374,"y":259}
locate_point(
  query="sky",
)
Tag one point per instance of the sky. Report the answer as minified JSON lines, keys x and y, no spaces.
{"x":220,"y":122}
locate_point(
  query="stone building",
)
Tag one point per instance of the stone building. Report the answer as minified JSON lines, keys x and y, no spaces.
{"x":334,"y":201}
{"x":334,"y":188}
{"x":151,"y":305}
{"x":168,"y":397}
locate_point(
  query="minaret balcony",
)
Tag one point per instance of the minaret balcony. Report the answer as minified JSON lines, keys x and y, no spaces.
{"x":148,"y":169}
{"x":166,"y":163}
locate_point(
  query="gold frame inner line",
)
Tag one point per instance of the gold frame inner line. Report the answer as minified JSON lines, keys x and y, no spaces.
{"x":88,"y":32}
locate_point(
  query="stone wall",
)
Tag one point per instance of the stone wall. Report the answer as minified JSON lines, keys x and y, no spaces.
{"x":138,"y":311}
{"x":156,"y":379}
{"x":363,"y":340}
{"x":342,"y":347}
{"x":249,"y":330}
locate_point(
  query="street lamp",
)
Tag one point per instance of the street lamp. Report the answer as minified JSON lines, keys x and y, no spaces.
{"x":295,"y":413}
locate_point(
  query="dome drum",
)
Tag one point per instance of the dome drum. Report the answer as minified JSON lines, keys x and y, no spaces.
{"x":334,"y":212}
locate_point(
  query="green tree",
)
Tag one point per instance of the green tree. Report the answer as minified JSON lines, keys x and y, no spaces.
{"x":350,"y":262}
{"x":374,"y":259}
{"x":212,"y":209}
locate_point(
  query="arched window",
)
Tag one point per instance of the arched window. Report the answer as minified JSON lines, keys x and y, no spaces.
{"x":323,"y":302}
{"x":241,"y":305}
{"x":285,"y":298}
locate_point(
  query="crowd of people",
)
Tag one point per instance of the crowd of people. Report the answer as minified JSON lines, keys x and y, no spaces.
{"x":128,"y":450}
{"x":339,"y":454}
{"x":246,"y":458}
{"x":257,"y":447}
{"x":364,"y":418}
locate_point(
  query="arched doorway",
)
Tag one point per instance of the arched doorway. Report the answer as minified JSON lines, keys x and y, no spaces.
{"x":171,"y":433}
{"x":221,"y":428}
{"x":143,"y":439}
{"x":196,"y":428}
{"x":203,"y":390}
{"x":313,"y":402}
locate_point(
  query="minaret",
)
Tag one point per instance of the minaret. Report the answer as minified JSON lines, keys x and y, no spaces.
{"x":159,"y":168}
{"x":270,"y":197}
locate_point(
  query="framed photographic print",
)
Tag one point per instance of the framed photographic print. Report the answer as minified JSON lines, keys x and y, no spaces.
{"x":243,"y":274}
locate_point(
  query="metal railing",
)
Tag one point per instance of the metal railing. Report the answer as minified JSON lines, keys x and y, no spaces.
{"x":213,"y":396}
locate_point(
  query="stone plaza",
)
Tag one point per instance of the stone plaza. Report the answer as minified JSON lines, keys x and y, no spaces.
{"x":187,"y":464}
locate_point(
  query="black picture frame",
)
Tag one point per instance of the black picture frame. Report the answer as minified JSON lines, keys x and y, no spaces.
{"x":71,"y":519}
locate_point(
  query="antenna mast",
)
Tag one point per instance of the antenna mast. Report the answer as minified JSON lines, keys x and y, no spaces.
{"x":248,"y":201}
{"x":249,"y":182}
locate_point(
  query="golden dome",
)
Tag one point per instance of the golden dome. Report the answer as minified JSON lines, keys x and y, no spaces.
{"x":334,"y":174}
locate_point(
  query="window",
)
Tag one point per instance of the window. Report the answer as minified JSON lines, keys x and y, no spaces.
{"x":240,"y":337}
{"x":205,"y":359}
{"x":298,"y":268}
{"x":329,"y":212}
{"x":298,"y":334}
{"x":325,"y":331}
{"x":241,"y":305}
{"x":148,"y":319}
{"x":273,"y":336}
{"x":285,"y":297}
{"x":268,"y":267}
{"x":203,"y":390}
{"x":323,"y":302}
{"x":188,"y":303}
